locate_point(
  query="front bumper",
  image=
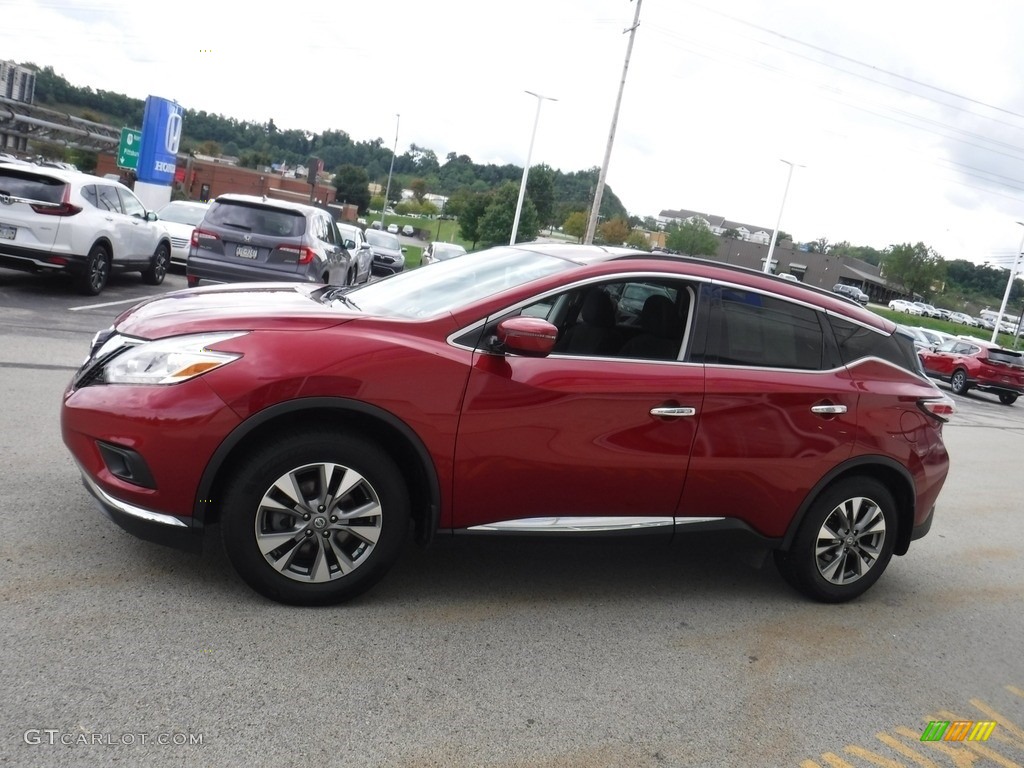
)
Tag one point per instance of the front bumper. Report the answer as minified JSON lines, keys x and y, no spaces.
{"x":145,"y":523}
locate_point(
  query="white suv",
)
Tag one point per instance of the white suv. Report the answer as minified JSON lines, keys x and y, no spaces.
{"x":55,"y":220}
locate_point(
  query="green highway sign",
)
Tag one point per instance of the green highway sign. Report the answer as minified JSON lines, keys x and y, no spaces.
{"x":128,"y":149}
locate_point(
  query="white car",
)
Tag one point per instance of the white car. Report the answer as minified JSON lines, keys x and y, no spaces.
{"x":355,"y":243}
{"x":440,"y":252}
{"x":901,"y":305}
{"x":393,"y":229}
{"x":56,"y":220}
{"x":179,"y":218}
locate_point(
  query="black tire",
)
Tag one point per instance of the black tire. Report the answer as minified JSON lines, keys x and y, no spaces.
{"x":958,"y":382}
{"x":1007,"y":398}
{"x":327,"y":554}
{"x":97,"y":269}
{"x":158,"y":266}
{"x":834,"y":564}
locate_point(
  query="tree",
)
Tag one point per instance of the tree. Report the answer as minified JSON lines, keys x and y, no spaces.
{"x":693,"y":238}
{"x":469,"y":219}
{"x":352,"y":185}
{"x":614,"y":232}
{"x":419,"y":189}
{"x":917,"y":267}
{"x":540,"y":188}
{"x":495,"y":225}
{"x":576,"y":225}
{"x":377,"y":203}
{"x":638,"y":240}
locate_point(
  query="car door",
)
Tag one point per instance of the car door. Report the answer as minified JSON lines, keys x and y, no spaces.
{"x":118,"y":227}
{"x":941,"y":361}
{"x":145,"y":233}
{"x":778,"y":412}
{"x":575,"y":436}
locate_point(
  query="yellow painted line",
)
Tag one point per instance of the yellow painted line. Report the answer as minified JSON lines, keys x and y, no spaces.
{"x":872,"y":757}
{"x":961,"y":757}
{"x":809,"y":764}
{"x":835,"y":760}
{"x":1003,"y":722}
{"x":903,"y":749}
{"x":1015,"y":691}
{"x":991,"y":754}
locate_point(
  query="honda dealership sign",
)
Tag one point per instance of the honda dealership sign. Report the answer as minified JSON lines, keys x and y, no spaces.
{"x":161,"y":137}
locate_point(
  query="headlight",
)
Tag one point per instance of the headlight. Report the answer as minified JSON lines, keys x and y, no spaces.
{"x":169,"y":361}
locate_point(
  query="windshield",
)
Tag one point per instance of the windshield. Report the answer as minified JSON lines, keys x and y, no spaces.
{"x":449,"y":285}
{"x":382,"y":239}
{"x":182,"y":214}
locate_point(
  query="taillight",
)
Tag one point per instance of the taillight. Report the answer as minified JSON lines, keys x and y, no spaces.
{"x":942,"y":408}
{"x":202,"y":234}
{"x":305,"y":255}
{"x":63,"y":208}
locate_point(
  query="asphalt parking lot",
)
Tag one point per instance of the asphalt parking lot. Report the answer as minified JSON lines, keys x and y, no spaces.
{"x":487,"y":652}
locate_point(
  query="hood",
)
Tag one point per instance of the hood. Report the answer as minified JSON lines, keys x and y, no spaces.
{"x":233,"y":307}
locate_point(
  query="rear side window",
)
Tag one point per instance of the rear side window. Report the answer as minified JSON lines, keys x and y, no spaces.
{"x":108,"y":199}
{"x":256,"y":219}
{"x":748,"y":328}
{"x":857,"y":342}
{"x":29,"y":186}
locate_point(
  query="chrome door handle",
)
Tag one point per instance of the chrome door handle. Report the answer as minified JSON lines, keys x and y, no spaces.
{"x":673,"y":412}
{"x":828,"y":410}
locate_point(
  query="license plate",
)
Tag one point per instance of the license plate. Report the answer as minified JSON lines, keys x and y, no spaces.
{"x":246,"y":252}
{"x":7,"y":232}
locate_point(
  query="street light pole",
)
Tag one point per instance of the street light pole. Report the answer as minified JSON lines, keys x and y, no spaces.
{"x":775,"y":233}
{"x":526,"y":167}
{"x":588,"y":238}
{"x":387,"y":189}
{"x":1009,"y":285}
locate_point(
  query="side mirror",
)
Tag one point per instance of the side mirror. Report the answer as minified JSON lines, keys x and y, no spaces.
{"x":349,"y":244}
{"x":528,"y":336}
{"x":151,"y":216}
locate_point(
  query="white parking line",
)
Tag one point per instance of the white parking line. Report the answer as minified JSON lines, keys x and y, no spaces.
{"x":105,"y":304}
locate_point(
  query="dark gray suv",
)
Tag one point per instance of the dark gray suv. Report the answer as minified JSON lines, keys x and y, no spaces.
{"x":244,"y":238}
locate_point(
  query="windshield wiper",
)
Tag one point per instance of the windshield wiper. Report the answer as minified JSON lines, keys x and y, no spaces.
{"x":338,"y":294}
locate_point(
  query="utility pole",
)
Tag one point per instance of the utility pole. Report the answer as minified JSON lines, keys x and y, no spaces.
{"x":387,"y":189}
{"x":599,"y":192}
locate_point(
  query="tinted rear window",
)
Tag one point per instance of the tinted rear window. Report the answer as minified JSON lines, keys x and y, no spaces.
{"x":256,"y":219}
{"x":30,"y":186}
{"x":1005,"y":356}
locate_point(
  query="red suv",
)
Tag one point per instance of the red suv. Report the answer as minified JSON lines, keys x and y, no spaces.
{"x":977,"y":364}
{"x":535,"y":389}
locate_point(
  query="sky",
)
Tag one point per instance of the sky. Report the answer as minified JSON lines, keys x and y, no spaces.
{"x":899,"y":121}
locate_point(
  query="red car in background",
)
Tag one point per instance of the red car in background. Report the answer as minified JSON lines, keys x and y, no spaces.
{"x":535,"y":389}
{"x":969,"y":363}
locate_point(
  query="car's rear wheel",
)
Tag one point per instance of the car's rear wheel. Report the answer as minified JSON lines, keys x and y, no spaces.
{"x":158,"y":267}
{"x":315,"y":518}
{"x":844,"y":543}
{"x":1007,"y":398}
{"x":97,"y":269}
{"x":958,"y":382}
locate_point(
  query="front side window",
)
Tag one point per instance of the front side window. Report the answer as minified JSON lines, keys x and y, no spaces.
{"x":131,"y":204}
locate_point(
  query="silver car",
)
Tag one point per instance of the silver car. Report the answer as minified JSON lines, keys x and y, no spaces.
{"x":355,"y":243}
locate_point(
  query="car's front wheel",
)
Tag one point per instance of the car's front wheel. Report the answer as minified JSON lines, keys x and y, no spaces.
{"x":1007,"y":398}
{"x":315,"y":518}
{"x":844,"y":543}
{"x":97,"y":268}
{"x":158,"y":266}
{"x":958,"y":382}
